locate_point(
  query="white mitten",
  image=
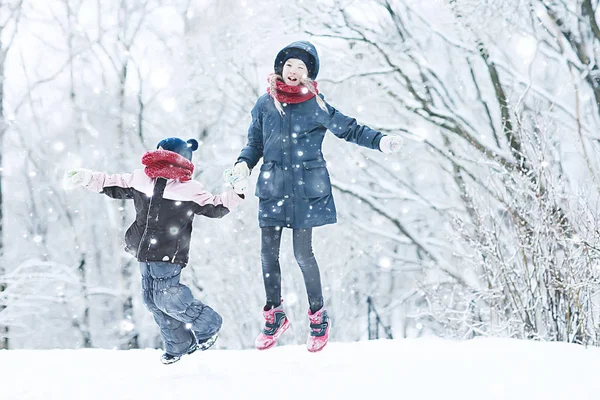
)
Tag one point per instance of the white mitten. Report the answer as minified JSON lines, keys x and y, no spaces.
{"x":228,"y":176}
{"x":236,"y":181}
{"x":76,"y":177}
{"x":241,"y":169}
{"x":240,"y":186}
{"x":390,"y":144}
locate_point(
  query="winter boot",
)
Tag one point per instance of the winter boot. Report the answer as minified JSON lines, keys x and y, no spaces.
{"x":170,"y":358}
{"x":207,"y":343}
{"x":319,"y":330}
{"x":276,"y":323}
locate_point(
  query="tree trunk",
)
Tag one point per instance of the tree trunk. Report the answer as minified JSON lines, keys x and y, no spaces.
{"x":125,"y":264}
{"x":4,"y":344}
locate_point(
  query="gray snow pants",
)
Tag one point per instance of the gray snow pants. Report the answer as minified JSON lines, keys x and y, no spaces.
{"x":174,"y":308}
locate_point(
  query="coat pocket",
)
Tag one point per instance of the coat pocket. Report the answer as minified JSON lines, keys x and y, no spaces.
{"x":270,"y":182}
{"x":316,"y":182}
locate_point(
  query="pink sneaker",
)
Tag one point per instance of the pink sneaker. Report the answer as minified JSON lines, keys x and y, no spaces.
{"x":319,"y":330}
{"x":276,"y":323}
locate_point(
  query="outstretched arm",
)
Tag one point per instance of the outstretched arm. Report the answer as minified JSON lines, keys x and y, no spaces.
{"x":117,"y":186}
{"x":217,"y":206}
{"x":207,"y":204}
{"x":348,"y":129}
{"x":229,"y":199}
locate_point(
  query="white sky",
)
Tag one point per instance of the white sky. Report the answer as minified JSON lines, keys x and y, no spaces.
{"x":423,"y":369}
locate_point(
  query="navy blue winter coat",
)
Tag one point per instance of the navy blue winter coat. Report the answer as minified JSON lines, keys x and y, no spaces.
{"x":293,"y":185}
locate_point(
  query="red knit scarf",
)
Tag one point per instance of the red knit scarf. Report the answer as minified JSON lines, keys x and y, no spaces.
{"x":167,"y":164}
{"x":291,"y":94}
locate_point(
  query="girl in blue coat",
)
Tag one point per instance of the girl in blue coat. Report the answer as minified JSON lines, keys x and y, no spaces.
{"x":288,"y":125}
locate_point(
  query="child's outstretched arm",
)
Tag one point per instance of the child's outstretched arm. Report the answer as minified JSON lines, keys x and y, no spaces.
{"x":207,"y":204}
{"x":348,"y":129}
{"x":117,"y":186}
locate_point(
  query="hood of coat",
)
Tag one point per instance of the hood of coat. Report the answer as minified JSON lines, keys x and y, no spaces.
{"x":292,"y":50}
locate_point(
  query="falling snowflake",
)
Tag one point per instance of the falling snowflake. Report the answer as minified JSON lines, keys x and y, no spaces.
{"x":169,"y":104}
{"x":58,"y":146}
{"x":526,"y":47}
{"x":126,"y":326}
{"x":385,"y":262}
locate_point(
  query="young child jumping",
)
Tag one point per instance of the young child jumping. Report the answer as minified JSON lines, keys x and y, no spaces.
{"x":294,"y":190}
{"x":166,"y":199}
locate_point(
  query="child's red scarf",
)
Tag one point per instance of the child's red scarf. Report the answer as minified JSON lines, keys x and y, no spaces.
{"x":167,"y":164}
{"x":291,"y":94}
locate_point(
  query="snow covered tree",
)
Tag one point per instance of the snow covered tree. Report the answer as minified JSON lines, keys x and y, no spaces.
{"x":481,"y":99}
{"x":10,"y":13}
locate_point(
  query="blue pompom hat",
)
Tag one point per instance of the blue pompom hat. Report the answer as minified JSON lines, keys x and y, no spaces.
{"x":179,"y":146}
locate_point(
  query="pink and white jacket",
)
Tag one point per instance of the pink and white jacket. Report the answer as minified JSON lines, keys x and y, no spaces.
{"x":165,"y":209}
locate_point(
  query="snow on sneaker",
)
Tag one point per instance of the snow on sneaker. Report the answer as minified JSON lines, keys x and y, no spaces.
{"x":319,"y":330}
{"x":276,"y":323}
{"x":167,"y":358}
{"x":208,"y":343}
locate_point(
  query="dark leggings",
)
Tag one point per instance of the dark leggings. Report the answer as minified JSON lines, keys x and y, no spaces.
{"x":269,"y":254}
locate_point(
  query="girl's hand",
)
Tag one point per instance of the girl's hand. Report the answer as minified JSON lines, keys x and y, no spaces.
{"x":241,"y":169}
{"x":240,"y":186}
{"x":237,"y":177}
{"x":390,"y":144}
{"x":76,"y":177}
{"x":236,"y":181}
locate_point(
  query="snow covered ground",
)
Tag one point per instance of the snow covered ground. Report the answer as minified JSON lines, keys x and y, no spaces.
{"x":482,"y":369}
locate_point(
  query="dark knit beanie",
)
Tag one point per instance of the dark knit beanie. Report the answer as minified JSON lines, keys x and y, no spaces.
{"x":178,"y":146}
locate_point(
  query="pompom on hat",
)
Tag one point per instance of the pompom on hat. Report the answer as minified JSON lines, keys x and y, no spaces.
{"x":176,"y":145}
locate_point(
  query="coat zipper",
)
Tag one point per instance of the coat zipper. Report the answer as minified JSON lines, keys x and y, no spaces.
{"x":154,"y":195}
{"x":146,"y":223}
